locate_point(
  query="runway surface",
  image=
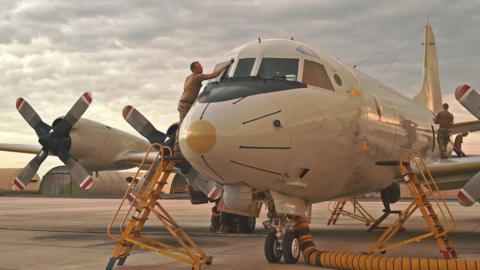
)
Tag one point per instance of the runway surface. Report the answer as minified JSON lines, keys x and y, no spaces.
{"x":65,"y":233}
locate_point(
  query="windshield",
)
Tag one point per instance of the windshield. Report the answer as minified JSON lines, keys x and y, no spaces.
{"x":219,"y":77}
{"x":279,"y":68}
{"x":244,"y":67}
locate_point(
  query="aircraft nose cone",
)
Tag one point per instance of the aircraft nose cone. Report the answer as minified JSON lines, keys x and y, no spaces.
{"x":200,"y":136}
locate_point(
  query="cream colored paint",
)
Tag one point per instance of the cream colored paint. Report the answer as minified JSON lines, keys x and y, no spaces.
{"x":336,"y":135}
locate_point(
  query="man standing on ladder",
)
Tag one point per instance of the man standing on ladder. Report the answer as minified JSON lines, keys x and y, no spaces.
{"x":191,"y":88}
{"x":445,"y":120}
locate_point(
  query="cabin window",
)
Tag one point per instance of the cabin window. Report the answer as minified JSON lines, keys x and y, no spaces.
{"x":217,"y":67}
{"x":279,"y":68}
{"x":244,"y":67}
{"x":315,"y":74}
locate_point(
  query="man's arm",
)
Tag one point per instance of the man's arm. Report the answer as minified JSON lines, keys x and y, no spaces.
{"x":218,"y":71}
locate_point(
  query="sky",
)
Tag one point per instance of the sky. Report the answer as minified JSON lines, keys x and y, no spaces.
{"x":138,"y":52}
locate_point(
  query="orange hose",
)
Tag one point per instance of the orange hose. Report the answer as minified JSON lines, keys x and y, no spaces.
{"x":358,"y":261}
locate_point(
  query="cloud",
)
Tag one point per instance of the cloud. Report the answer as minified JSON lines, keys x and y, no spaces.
{"x":138,"y":52}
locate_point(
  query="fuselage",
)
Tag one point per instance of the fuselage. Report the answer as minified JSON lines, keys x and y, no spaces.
{"x":300,"y":122}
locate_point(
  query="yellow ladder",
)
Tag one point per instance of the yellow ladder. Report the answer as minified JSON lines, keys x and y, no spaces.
{"x":143,"y":196}
{"x":426,"y":198}
{"x":339,"y":209}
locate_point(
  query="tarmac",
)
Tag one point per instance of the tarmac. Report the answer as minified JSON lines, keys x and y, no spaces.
{"x":69,"y":233}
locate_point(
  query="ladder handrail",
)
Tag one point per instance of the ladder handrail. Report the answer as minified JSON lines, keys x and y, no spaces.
{"x":416,"y":158}
{"x":160,"y":154}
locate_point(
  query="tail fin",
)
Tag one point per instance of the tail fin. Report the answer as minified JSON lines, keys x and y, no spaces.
{"x":430,"y":95}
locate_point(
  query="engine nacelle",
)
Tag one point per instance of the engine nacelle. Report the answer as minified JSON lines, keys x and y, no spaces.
{"x":96,"y":146}
{"x":237,"y":197}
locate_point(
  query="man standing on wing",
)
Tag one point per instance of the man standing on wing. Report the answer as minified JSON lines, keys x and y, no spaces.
{"x":445,"y":120}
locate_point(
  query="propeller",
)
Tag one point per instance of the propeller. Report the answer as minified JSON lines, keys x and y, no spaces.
{"x":141,"y":124}
{"x":470,"y":192}
{"x":55,"y":140}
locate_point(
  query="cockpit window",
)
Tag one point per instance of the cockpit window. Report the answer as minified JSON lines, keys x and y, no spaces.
{"x":219,"y":77}
{"x":244,"y":67}
{"x":316,"y":75}
{"x":279,"y":68}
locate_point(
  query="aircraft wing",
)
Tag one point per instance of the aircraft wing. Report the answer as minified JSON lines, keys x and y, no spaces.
{"x":454,"y":173}
{"x":465,"y":127}
{"x":135,"y":157}
{"x":458,"y":173}
{"x":21,"y":148}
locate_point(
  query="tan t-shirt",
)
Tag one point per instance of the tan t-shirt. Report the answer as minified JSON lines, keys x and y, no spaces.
{"x":444,"y":119}
{"x":192,"y":86}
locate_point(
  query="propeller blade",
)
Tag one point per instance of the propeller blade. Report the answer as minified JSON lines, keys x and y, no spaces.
{"x":32,"y":118}
{"x":75,"y":113}
{"x":25,"y":176}
{"x":206,"y":185}
{"x":79,"y":174}
{"x":470,"y":192}
{"x":141,"y":124}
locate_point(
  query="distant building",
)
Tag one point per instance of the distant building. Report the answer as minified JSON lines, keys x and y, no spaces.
{"x":7,"y":175}
{"x":108,"y":184}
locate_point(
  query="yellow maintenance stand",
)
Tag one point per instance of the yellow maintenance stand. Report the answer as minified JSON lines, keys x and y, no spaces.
{"x":143,"y":196}
{"x":429,"y":201}
{"x":423,"y":192}
{"x":359,"y":212}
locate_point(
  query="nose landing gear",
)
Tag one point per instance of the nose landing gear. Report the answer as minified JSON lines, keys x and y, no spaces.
{"x":281,"y":241}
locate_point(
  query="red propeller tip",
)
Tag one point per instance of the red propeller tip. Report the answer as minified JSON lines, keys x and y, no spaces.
{"x":131,"y":197}
{"x":464,"y":198}
{"x":215,"y":193}
{"x":461,"y":90}
{"x":18,"y":184}
{"x":87,"y":183}
{"x":19,"y":102}
{"x":87,"y":96}
{"x":126,"y":111}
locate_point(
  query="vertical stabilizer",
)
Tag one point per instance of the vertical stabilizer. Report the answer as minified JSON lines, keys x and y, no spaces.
{"x":430,"y":95}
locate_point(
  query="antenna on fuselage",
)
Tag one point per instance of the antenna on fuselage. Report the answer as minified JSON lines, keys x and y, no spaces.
{"x":259,"y":40}
{"x":291,"y":38}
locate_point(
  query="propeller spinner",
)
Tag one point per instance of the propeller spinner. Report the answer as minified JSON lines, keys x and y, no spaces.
{"x":55,"y":140}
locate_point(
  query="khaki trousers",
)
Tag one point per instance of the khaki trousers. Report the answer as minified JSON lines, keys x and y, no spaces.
{"x":183,"y":109}
{"x":443,"y":138}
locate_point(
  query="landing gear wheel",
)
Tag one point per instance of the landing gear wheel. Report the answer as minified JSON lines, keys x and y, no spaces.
{"x":291,"y":248}
{"x":227,"y":223}
{"x":273,"y":248}
{"x":246,"y":224}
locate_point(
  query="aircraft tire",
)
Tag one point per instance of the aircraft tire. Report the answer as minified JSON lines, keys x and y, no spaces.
{"x":246,"y":224}
{"x":291,"y":248}
{"x":272,"y":248}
